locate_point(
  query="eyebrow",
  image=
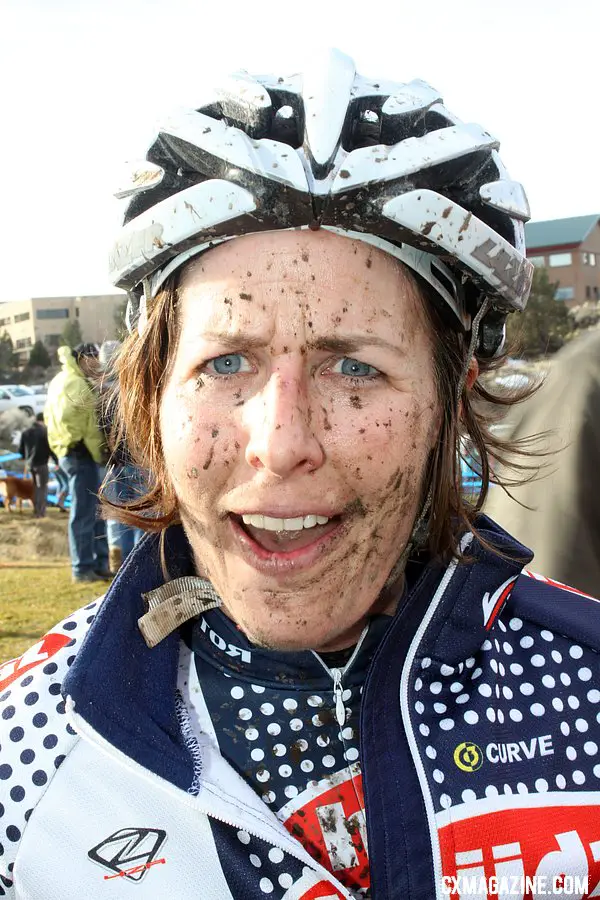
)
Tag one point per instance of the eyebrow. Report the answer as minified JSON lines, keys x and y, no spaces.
{"x":348,"y":343}
{"x":340,"y":343}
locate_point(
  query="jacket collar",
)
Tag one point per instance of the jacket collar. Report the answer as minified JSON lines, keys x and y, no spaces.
{"x":127,"y":692}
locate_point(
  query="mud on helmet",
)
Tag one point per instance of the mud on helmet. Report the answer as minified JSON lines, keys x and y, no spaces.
{"x":380,"y":161}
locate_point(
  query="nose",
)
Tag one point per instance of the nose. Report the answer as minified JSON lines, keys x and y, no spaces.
{"x":280,"y":428}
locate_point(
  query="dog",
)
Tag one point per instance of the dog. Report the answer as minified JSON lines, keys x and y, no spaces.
{"x":17,"y":489}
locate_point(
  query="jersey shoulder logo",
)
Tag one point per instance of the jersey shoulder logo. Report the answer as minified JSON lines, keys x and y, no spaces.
{"x":491,"y":604}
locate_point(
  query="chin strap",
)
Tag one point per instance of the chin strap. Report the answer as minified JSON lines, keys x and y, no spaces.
{"x":420,"y":529}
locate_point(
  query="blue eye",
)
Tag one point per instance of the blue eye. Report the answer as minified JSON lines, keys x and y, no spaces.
{"x":228,"y":364}
{"x":354,"y":368}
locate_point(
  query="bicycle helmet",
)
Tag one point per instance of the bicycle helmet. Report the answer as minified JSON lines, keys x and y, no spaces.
{"x":375,"y":160}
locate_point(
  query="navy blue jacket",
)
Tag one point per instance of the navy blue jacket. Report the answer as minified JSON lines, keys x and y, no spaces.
{"x":479,"y":750}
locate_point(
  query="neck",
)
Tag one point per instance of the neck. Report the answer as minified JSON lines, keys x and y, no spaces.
{"x":385,"y":605}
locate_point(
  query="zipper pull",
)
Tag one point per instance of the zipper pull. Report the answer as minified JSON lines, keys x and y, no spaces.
{"x":340,"y":709}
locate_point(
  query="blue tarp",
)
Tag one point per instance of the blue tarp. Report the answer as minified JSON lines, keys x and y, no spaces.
{"x":52,"y":483}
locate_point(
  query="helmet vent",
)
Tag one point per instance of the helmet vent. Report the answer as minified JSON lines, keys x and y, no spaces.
{"x":286,"y":127}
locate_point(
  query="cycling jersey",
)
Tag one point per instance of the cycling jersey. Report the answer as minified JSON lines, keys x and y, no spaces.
{"x":209,"y":767}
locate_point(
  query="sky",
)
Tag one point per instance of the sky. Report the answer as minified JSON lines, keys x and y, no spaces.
{"x":83,"y":81}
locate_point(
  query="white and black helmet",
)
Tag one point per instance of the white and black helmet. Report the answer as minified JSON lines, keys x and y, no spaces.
{"x":376,"y":160}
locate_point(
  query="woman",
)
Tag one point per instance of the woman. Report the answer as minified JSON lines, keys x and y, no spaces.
{"x":324,"y":675}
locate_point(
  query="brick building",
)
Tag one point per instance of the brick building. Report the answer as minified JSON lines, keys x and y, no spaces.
{"x":44,"y":318}
{"x":570,"y":250}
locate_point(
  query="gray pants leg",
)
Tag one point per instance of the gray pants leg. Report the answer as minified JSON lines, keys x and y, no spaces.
{"x":40,"y":491}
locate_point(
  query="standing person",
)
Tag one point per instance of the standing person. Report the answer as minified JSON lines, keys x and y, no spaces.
{"x":35,"y":450}
{"x":558,"y":515}
{"x":123,"y":481}
{"x":63,"y":488}
{"x":325,"y":675}
{"x":75,"y":437}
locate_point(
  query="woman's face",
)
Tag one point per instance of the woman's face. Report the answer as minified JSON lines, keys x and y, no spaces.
{"x":296,"y":423}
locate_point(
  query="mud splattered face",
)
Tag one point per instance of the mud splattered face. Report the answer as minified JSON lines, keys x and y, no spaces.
{"x":297,"y":421}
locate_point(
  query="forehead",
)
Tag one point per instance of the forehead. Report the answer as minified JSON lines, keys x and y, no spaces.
{"x":315,"y":259}
{"x":299,"y":283}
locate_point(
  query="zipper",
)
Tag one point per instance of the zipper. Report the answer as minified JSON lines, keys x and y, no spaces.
{"x":294,"y":849}
{"x":337,"y":674}
{"x":406,"y":714}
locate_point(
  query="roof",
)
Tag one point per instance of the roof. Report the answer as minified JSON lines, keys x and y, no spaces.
{"x":558,"y":232}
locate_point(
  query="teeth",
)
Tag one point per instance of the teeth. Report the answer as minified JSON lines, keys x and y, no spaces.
{"x":257,"y":521}
{"x":267,"y":523}
{"x":270,"y":524}
{"x":293,"y":524}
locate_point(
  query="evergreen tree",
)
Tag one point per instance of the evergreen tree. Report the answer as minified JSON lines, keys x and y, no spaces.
{"x":542,"y":328}
{"x":7,"y":354}
{"x":39,"y":356}
{"x":71,"y":334}
{"x":119,"y":320}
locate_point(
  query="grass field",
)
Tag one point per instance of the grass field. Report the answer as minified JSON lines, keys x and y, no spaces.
{"x":35,"y":579}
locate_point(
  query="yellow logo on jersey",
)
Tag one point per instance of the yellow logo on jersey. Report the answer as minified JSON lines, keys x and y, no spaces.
{"x":468,"y":756}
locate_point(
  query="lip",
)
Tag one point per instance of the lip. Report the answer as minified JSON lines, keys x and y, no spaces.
{"x":270,"y":563}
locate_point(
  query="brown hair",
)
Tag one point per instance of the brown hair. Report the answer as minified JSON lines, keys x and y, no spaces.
{"x":143,"y":366}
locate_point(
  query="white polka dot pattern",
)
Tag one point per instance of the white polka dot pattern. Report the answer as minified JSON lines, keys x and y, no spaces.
{"x":35,"y":736}
{"x":529,"y":701}
{"x":256,"y":868}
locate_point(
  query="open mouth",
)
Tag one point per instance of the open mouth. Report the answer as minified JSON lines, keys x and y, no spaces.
{"x":281,"y":536}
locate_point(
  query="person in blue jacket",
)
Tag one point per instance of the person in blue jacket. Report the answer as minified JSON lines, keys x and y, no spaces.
{"x":322,"y":673}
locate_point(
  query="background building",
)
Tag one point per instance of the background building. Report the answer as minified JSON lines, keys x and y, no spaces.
{"x":44,"y":319}
{"x":570,"y":250}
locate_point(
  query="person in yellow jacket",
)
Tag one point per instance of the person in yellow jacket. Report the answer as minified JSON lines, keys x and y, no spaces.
{"x":76,"y":438}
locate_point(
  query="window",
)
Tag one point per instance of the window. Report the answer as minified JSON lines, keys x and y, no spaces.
{"x":588,"y":293}
{"x":5,"y":321}
{"x":538,"y":261}
{"x":76,"y":312}
{"x":596,"y":293}
{"x":52,"y":314}
{"x":560,"y":259}
{"x":17,"y":391}
{"x":53,"y":340}
{"x":23,"y":342}
{"x":564,"y":293}
{"x":22,"y":317}
{"x":589,"y":259}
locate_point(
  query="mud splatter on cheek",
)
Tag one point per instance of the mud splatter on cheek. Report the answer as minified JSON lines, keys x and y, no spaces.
{"x":209,"y":458}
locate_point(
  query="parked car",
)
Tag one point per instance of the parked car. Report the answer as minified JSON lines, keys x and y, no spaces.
{"x":40,"y":390}
{"x":17,"y":396}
